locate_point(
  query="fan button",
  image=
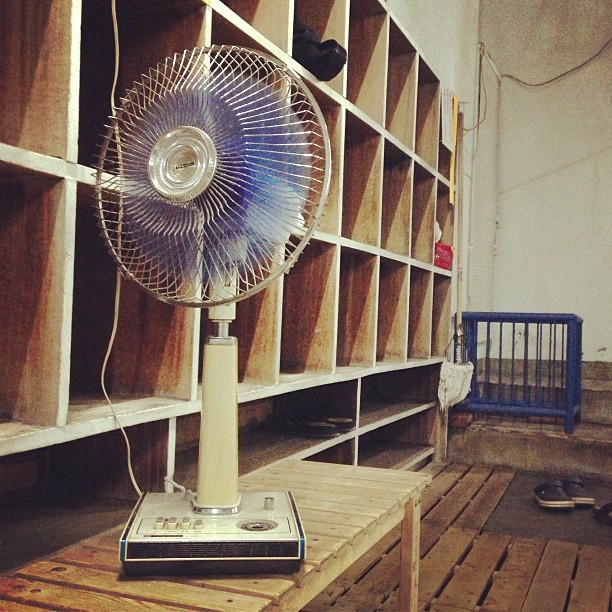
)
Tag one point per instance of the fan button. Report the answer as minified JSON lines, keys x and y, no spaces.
{"x":185,"y":522}
{"x":172,"y":522}
{"x":160,"y":521}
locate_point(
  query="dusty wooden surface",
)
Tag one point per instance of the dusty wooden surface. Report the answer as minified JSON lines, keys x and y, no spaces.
{"x":345,"y":511}
{"x":464,"y":568}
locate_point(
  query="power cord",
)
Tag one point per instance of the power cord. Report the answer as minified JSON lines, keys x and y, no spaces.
{"x":111,"y":341}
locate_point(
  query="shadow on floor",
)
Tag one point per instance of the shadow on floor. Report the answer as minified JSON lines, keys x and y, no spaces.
{"x":33,"y":529}
{"x":518,"y":514}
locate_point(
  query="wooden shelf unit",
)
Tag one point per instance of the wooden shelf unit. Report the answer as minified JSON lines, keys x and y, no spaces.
{"x":364,"y":309}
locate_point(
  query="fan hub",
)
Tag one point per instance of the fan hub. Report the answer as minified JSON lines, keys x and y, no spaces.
{"x":182,"y":163}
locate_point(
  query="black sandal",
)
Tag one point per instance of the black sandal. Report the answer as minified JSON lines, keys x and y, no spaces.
{"x":551,"y":494}
{"x":604,"y":514}
{"x":576,"y":491}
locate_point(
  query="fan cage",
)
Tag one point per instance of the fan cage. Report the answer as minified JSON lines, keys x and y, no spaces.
{"x":245,"y":168}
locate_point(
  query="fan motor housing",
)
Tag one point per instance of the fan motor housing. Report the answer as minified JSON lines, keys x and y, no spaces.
{"x":182,"y":163}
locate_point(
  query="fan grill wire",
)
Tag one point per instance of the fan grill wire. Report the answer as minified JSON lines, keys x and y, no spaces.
{"x":247,"y":200}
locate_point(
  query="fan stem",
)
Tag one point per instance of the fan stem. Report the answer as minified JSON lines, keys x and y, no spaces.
{"x":217,"y":491}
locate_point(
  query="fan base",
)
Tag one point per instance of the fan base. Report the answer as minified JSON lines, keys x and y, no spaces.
{"x":165,"y":536}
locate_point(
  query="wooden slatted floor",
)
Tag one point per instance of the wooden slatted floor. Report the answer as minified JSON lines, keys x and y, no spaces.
{"x":466,"y":568}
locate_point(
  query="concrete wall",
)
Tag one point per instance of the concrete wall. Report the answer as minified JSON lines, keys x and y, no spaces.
{"x":553,"y":246}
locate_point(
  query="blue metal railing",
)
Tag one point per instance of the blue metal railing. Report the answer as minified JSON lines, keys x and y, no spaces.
{"x":524,"y":364}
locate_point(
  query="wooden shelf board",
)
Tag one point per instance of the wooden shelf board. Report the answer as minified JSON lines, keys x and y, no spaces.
{"x":87,"y":419}
{"x":381,"y":414}
{"x":392,"y":456}
{"x":262,"y":446}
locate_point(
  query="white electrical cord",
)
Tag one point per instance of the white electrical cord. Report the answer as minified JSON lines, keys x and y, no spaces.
{"x":118,"y":283}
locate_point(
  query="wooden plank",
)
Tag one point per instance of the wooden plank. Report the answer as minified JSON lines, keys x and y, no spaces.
{"x":471,"y":578}
{"x":482,"y":505}
{"x":335,"y":483}
{"x":350,"y":472}
{"x":258,"y":585}
{"x":430,"y":534}
{"x":167,"y":592}
{"x":591,"y":587}
{"x":355,"y":572}
{"x":316,"y":581}
{"x":330,"y":528}
{"x":351,"y":496}
{"x":13,"y":606}
{"x":373,"y":588}
{"x":440,"y":485}
{"x":339,"y":518}
{"x":511,"y":584}
{"x":452,"y":504}
{"x":439,"y":563}
{"x":409,"y":556}
{"x":552,"y":579}
{"x":46,"y":594}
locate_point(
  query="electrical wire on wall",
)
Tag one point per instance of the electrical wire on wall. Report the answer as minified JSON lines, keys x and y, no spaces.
{"x":559,"y":76}
{"x":482,"y":91}
{"x":480,"y":284}
{"x":111,"y":341}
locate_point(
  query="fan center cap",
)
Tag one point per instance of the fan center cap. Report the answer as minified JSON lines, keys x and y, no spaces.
{"x":182,"y":163}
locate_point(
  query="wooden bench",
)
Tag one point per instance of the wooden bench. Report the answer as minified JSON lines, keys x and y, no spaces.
{"x":345,"y":510}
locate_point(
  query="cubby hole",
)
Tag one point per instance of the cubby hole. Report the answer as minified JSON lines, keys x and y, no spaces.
{"x":334,"y":117}
{"x":390,"y":396}
{"x":327,"y":19}
{"x":427,"y":115}
{"x":367,"y":54}
{"x":396,"y":199}
{"x":309,"y":297}
{"x":444,"y":161}
{"x":35,"y":239}
{"x":445,"y":214}
{"x":423,"y":214}
{"x":152,"y":352}
{"x":401,"y":445}
{"x":342,"y":453}
{"x":357,"y":309}
{"x":92,"y":317}
{"x":36,"y":75}
{"x":441,"y":315}
{"x":391,"y":339}
{"x":362,"y":185}
{"x":148,"y":33}
{"x":299,"y":423}
{"x":271,"y":19}
{"x":419,"y":313}
{"x":225,"y":30}
{"x":401,"y":87}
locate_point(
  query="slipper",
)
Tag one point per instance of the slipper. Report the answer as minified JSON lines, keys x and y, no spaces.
{"x":551,"y":494}
{"x":576,"y":491}
{"x":604,"y":514}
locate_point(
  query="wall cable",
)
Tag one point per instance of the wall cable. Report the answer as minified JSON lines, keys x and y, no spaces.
{"x":559,"y":76}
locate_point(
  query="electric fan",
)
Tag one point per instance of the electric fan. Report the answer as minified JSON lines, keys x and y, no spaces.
{"x":211,"y":178}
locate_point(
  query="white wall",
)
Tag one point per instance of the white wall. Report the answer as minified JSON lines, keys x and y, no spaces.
{"x":553,"y":249}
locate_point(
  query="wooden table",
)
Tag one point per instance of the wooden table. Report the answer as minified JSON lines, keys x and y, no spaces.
{"x":345,"y":510}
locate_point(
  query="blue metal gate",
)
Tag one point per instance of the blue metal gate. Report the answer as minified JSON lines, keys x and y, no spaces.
{"x":524,"y":364}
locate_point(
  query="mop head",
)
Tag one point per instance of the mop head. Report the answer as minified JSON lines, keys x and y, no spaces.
{"x":455,"y":382}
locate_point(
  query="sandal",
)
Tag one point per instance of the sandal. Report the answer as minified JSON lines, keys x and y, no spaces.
{"x":575,"y":490}
{"x":604,"y":514}
{"x":551,"y":494}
